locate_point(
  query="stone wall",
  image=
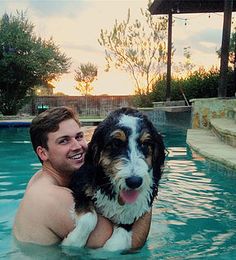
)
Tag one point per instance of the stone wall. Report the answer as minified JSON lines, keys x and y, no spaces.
{"x":100,"y":106}
{"x":207,"y":108}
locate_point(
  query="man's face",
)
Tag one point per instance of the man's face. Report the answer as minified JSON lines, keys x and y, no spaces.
{"x":66,"y":147}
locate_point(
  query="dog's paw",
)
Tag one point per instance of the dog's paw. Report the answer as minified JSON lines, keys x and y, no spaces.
{"x":85,"y":224}
{"x":120,"y":240}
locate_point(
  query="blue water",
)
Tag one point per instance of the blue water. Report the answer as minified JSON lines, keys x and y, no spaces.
{"x":194,"y":216}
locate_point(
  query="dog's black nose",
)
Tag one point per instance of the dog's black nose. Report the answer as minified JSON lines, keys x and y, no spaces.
{"x":134,"y":182}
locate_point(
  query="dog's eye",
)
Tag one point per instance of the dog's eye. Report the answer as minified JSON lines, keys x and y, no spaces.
{"x":146,"y":147}
{"x":117,"y":143}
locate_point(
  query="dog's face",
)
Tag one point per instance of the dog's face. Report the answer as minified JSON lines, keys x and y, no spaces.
{"x":129,"y":153}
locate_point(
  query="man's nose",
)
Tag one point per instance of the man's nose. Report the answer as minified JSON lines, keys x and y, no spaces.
{"x":76,"y":144}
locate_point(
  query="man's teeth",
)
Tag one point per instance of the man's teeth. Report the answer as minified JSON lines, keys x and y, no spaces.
{"x":76,"y":156}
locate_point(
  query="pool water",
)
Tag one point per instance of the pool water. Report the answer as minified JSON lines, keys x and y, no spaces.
{"x":194,"y":216}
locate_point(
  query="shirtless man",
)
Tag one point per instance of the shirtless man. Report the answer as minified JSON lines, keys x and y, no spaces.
{"x":44,"y":215}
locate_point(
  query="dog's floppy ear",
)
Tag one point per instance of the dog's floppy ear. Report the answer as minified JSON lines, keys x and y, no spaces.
{"x":159,"y":155}
{"x":93,"y":153}
{"x":95,"y":146}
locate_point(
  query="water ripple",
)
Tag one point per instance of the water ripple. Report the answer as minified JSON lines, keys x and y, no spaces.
{"x":195,"y":213}
{"x":194,"y":216}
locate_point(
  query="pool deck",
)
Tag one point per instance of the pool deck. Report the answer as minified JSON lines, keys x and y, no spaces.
{"x":217,"y":144}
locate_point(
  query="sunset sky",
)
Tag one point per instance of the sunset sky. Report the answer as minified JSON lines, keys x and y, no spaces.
{"x":75,"y":26}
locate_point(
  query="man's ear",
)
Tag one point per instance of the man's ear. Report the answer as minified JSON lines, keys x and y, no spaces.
{"x":42,"y":153}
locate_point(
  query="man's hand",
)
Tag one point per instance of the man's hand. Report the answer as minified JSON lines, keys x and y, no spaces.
{"x":101,"y":233}
{"x":140,"y":230}
{"x":104,"y":229}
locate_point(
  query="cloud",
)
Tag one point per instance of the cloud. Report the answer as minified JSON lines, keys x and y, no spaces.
{"x":46,"y":8}
{"x":202,"y":34}
{"x":211,"y":36}
{"x":11,"y":7}
{"x":206,"y":40}
{"x":86,"y":48}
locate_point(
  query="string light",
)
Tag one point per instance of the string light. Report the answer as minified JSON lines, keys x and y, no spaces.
{"x":183,"y":19}
{"x":186,"y":20}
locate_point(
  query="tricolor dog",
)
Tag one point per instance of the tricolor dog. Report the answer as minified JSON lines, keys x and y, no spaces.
{"x":119,"y":178}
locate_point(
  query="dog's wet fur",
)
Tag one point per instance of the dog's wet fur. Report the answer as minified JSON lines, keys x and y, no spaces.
{"x":122,"y":169}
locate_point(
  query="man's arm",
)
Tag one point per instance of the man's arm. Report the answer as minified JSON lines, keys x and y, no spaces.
{"x":122,"y":239}
{"x":100,"y":234}
{"x":103,"y":229}
{"x":62,"y":223}
{"x":140,"y":230}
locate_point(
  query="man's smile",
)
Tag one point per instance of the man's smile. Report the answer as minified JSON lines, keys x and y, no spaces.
{"x":76,"y":156}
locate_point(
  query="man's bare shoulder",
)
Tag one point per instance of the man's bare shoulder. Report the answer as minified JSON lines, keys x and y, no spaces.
{"x":51,"y":205}
{"x":46,"y":192}
{"x":44,"y":215}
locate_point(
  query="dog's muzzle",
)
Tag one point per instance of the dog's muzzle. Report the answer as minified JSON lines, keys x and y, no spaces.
{"x":130,"y":194}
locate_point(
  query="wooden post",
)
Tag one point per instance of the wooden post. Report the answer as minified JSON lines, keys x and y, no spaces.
{"x":222,"y":89}
{"x":168,"y":76}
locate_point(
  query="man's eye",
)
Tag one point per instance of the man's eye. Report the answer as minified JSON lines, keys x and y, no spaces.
{"x":80,"y":137}
{"x":63,"y":141}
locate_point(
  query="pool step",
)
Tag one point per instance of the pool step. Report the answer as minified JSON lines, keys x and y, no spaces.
{"x":224,"y":129}
{"x":232,"y":114}
{"x":211,"y":147}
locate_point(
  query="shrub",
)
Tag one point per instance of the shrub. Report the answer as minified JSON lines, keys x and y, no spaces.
{"x":198,"y":84}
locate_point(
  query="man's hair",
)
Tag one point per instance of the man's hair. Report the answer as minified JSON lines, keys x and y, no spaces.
{"x":48,"y":122}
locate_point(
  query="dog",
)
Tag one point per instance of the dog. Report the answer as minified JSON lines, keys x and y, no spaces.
{"x":119,"y":178}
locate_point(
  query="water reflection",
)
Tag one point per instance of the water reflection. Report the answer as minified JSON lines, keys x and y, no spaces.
{"x":195,"y":213}
{"x":193,"y":217}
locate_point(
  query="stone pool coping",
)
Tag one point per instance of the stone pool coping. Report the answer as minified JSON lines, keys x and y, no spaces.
{"x":204,"y":142}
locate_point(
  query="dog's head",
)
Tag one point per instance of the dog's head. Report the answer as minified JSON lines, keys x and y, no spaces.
{"x":128,"y":153}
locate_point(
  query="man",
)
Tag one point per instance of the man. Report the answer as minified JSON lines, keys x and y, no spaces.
{"x":44,"y":216}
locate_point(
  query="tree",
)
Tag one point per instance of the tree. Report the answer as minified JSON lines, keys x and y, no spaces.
{"x":138,"y":48}
{"x":232,"y":46}
{"x":232,"y":57}
{"x":231,"y":49}
{"x":25,"y":61}
{"x":185,"y":67}
{"x":85,"y":76}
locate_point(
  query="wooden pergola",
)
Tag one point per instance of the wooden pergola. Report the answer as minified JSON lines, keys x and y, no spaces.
{"x":170,"y":7}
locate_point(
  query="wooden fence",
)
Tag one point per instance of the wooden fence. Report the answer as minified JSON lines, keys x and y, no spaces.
{"x":94,"y":105}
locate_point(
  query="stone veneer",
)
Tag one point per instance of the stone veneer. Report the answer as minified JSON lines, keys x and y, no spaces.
{"x":204,"y":109}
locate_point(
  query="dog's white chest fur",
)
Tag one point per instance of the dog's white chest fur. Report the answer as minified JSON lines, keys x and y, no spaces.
{"x":125,"y":214}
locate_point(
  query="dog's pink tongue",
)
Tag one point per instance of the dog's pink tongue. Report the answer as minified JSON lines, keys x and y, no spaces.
{"x":129,"y":196}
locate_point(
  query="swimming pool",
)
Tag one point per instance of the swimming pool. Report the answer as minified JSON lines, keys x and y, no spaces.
{"x":193,"y":218}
